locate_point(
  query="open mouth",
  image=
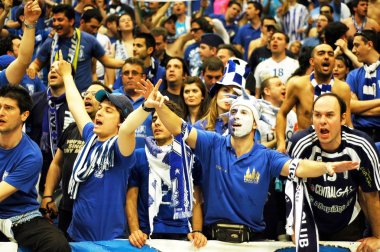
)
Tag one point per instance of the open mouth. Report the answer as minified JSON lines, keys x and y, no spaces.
{"x":324,"y":133}
{"x":98,"y":122}
{"x":325,"y":66}
{"x":87,"y":104}
{"x":58,"y":28}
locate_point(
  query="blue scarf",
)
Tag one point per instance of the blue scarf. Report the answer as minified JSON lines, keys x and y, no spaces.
{"x":320,"y":89}
{"x":51,"y":124}
{"x":369,"y":87}
{"x":171,"y":165}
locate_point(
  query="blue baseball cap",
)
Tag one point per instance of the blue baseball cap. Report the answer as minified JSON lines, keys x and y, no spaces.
{"x":119,"y":100}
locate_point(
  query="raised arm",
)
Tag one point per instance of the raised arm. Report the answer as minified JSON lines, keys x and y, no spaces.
{"x":159,"y":14}
{"x":127,"y":140}
{"x":17,"y":69}
{"x":74,"y":99}
{"x":171,"y":121}
{"x":7,"y":7}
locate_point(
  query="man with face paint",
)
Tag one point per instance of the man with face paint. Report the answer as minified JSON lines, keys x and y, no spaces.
{"x":236,"y":171}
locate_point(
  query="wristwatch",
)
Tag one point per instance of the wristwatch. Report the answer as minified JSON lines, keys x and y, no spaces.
{"x":30,"y":26}
{"x":147,"y":109}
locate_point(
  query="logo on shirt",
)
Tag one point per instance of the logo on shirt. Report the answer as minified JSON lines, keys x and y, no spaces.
{"x":4,"y":175}
{"x":251,"y":177}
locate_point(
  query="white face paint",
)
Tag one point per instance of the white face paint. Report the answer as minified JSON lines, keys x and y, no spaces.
{"x":240,"y":122}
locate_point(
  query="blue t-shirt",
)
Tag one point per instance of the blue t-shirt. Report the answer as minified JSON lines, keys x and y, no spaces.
{"x":20,"y":167}
{"x":3,"y":78}
{"x":356,"y":80}
{"x":163,"y":222}
{"x":99,"y":209}
{"x":145,"y":129}
{"x":32,"y":85}
{"x":89,"y":48}
{"x":245,"y":35}
{"x":40,"y":36}
{"x":235,"y":189}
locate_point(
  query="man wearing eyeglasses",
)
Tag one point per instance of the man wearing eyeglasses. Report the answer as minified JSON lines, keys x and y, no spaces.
{"x":133,"y":72}
{"x":60,"y":169}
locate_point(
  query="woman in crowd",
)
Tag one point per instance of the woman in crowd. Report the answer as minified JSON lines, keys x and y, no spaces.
{"x":123,"y":47}
{"x":213,"y":121}
{"x":342,"y":67}
{"x":195,"y":96}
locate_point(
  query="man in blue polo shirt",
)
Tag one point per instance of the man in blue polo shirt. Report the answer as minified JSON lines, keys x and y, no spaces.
{"x":250,"y":31}
{"x":365,"y":85}
{"x":237,"y":171}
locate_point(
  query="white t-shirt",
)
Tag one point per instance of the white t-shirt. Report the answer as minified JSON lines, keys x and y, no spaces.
{"x":266,"y":129}
{"x":270,"y":68}
{"x":106,"y":44}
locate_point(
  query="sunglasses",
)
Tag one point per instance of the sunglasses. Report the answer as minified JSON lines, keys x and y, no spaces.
{"x":195,"y":29}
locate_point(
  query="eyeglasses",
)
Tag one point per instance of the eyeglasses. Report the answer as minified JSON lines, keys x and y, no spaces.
{"x":85,"y":93}
{"x":133,"y":72}
{"x":195,"y":29}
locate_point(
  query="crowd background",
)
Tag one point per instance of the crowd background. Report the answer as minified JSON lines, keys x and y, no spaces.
{"x":202,"y":50}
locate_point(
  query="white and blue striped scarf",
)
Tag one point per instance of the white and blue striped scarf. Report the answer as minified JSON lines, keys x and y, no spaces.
{"x":320,"y":89}
{"x":171,"y":165}
{"x":369,"y":87}
{"x":101,"y":159}
{"x":299,"y":214}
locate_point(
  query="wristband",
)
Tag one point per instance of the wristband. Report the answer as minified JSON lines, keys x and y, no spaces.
{"x":30,"y":26}
{"x":47,"y":196}
{"x":196,"y":231}
{"x":147,"y":109}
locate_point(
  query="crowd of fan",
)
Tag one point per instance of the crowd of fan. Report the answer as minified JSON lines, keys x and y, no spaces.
{"x":82,"y":62}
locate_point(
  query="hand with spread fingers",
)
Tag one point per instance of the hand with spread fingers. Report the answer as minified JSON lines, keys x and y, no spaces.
{"x":198,"y":239}
{"x":138,"y":238}
{"x":155,"y":98}
{"x":145,"y":87}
